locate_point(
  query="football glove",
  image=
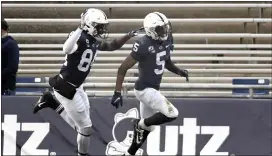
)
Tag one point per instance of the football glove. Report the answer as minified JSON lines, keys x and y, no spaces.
{"x":117,"y":99}
{"x":135,"y":32}
{"x":184,"y":73}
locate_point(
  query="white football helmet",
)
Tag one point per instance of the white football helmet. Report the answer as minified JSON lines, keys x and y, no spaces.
{"x":157,"y":26}
{"x":96,"y":22}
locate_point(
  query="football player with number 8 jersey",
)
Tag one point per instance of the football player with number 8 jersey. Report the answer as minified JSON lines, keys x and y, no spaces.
{"x":81,"y":49}
{"x":152,"y":52}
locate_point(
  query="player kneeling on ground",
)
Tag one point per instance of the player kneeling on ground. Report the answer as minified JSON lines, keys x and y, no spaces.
{"x":81,"y":49}
{"x":152,"y":51}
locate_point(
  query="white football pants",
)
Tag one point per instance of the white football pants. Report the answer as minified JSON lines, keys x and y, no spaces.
{"x":77,"y":110}
{"x":152,"y":101}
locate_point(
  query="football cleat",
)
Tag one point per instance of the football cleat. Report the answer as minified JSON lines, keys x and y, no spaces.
{"x":43,"y":102}
{"x":138,"y":132}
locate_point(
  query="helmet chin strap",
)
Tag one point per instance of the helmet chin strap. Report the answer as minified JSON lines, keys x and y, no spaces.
{"x":157,"y":37}
{"x":87,"y":29}
{"x":164,"y":38}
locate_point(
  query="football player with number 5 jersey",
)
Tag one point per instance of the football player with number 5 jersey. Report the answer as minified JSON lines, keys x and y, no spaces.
{"x":81,"y":49}
{"x":152,"y":52}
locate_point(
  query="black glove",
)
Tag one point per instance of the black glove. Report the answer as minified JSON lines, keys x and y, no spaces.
{"x":117,"y":99}
{"x":135,"y":32}
{"x":184,"y":73}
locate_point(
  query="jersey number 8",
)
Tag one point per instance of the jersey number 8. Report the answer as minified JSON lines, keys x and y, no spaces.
{"x":85,"y":61}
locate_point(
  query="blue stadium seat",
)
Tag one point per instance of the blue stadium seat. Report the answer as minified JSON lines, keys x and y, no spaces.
{"x":250,"y":82}
{"x":29,"y":80}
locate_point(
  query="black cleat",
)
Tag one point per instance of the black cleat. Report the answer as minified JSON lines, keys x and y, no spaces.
{"x":138,"y":132}
{"x":43,"y":102}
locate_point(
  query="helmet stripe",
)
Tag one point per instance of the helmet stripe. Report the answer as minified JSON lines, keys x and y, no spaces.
{"x":104,"y":14}
{"x":159,"y":16}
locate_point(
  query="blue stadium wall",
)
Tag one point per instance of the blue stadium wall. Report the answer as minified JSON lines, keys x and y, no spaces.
{"x":205,"y":126}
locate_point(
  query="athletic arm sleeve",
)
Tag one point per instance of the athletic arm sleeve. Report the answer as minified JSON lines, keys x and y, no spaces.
{"x":70,"y":45}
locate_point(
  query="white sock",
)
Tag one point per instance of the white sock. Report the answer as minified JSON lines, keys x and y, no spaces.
{"x":83,"y":143}
{"x":127,"y":153}
{"x":65,"y":116}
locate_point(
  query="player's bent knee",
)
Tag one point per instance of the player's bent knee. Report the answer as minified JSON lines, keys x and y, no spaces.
{"x":173,"y":113}
{"x":84,"y":122}
{"x":85,"y":127}
{"x":176,"y":112}
{"x":85,"y":131}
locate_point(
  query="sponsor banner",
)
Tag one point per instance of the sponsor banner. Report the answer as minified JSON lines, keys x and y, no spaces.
{"x":204,"y":127}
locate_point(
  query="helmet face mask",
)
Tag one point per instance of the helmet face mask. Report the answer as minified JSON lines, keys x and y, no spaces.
{"x":101,"y":30}
{"x":162,"y":31}
{"x":98,"y":30}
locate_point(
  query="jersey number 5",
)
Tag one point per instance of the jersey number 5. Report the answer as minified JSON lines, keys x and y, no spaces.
{"x":160,"y":62}
{"x":135,"y":47}
{"x":86,"y":60}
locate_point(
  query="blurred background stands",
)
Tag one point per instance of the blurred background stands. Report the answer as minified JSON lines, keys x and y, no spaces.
{"x":225,"y":47}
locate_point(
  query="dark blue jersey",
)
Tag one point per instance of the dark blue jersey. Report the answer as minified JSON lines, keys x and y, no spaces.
{"x":78,"y":64}
{"x":151,"y":56}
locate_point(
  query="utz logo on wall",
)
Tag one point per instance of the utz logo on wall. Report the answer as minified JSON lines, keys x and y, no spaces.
{"x":178,"y":139}
{"x":120,"y":144}
{"x":208,"y":128}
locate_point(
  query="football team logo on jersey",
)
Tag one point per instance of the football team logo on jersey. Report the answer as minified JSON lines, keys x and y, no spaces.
{"x":151,"y":49}
{"x":122,"y":133}
{"x":87,"y":43}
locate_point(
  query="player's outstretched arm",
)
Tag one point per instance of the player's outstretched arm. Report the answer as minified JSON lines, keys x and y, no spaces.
{"x":118,"y":42}
{"x":70,"y":45}
{"x":115,"y":44}
{"x":169,"y":65}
